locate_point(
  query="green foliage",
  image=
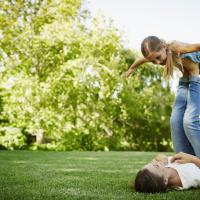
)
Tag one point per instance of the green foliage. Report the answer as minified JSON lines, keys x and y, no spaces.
{"x":148,"y":120}
{"x":61,"y":76}
{"x":12,"y":138}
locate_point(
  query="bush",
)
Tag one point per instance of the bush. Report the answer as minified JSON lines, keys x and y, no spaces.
{"x":12,"y":138}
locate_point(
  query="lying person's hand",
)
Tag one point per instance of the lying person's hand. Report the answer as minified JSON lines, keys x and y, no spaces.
{"x":183,"y":158}
{"x":160,"y":158}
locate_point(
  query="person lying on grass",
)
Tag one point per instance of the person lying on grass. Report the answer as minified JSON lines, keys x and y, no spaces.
{"x":182,"y":171}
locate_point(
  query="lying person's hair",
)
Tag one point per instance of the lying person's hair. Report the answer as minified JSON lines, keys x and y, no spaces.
{"x":148,"y":182}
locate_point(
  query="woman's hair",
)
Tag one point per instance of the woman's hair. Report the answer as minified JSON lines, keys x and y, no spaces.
{"x":153,"y":43}
{"x":148,"y":182}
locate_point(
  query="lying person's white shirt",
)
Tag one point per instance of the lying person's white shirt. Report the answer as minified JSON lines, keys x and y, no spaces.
{"x":189,"y":174}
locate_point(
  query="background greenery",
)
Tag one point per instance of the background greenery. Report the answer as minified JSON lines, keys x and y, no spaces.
{"x":61,"y":85}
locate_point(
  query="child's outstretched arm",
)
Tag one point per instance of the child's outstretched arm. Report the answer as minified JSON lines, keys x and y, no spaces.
{"x":180,"y":47}
{"x":132,"y":68}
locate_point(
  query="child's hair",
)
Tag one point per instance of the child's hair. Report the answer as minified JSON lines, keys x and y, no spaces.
{"x":148,"y":182}
{"x":153,"y":43}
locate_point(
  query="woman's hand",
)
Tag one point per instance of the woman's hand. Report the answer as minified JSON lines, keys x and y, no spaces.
{"x":161,"y":158}
{"x":185,"y":158}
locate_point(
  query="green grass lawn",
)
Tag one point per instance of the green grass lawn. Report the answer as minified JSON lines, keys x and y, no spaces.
{"x":75,"y":175}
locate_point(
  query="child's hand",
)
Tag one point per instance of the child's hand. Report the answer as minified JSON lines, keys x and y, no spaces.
{"x":128,"y":73}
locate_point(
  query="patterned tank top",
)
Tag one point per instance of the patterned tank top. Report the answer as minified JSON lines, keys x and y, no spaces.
{"x":194,"y":56}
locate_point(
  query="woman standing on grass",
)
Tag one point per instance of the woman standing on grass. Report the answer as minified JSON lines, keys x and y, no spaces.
{"x":185,"y":118}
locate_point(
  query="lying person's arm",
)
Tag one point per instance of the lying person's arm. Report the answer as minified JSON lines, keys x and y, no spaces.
{"x":161,"y":158}
{"x":185,"y":158}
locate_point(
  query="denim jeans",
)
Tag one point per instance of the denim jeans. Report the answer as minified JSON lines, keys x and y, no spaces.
{"x":185,"y":118}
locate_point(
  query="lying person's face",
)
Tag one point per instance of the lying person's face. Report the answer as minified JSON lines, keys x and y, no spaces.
{"x":156,"y":168}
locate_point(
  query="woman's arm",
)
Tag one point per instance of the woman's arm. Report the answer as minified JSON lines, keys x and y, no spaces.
{"x":161,"y":158}
{"x":132,"y":68}
{"x":180,"y":48}
{"x":185,"y":158}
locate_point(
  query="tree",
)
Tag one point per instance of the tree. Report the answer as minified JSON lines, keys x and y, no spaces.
{"x":61,"y":79}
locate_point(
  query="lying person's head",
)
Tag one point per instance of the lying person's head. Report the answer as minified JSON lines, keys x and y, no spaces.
{"x":152,"y":178}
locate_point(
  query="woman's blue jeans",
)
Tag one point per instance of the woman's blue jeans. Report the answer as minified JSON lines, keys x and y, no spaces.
{"x":185,"y":118}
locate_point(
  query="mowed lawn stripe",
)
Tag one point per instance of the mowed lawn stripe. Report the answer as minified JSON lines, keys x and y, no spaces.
{"x":75,"y":175}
